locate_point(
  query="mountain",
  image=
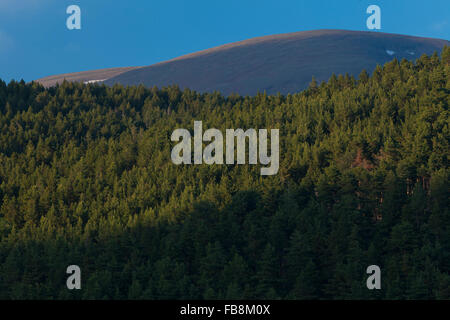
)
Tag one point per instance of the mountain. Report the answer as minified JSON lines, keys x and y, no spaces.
{"x":87,"y":178}
{"x":84,"y":76}
{"x":282,"y":63}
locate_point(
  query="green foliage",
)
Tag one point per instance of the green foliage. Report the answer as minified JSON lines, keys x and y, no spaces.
{"x":86,"y":179}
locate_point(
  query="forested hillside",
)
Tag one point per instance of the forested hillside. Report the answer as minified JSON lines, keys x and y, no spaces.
{"x":86,"y":179}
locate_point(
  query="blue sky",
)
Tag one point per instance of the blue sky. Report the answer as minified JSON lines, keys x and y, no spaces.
{"x":35,"y":42}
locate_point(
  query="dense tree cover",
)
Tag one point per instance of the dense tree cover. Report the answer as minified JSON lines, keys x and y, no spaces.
{"x":86,"y":179}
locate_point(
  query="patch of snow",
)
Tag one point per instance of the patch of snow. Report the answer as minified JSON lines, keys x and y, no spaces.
{"x":390,"y":52}
{"x":94,"y":81}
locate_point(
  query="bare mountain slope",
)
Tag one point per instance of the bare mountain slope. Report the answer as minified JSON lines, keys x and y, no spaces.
{"x":279,"y":63}
{"x":84,"y":76}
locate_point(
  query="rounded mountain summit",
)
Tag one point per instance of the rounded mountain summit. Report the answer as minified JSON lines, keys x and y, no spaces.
{"x":282,"y":63}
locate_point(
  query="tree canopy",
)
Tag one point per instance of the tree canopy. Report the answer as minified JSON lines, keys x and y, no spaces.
{"x":86,"y":179}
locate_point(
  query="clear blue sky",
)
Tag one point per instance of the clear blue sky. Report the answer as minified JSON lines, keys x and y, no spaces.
{"x":34,"y":40}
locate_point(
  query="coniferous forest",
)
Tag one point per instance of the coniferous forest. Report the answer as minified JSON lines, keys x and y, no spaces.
{"x":86,"y":179}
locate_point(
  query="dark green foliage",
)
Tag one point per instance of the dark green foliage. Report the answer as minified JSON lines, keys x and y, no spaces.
{"x":86,"y":179}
